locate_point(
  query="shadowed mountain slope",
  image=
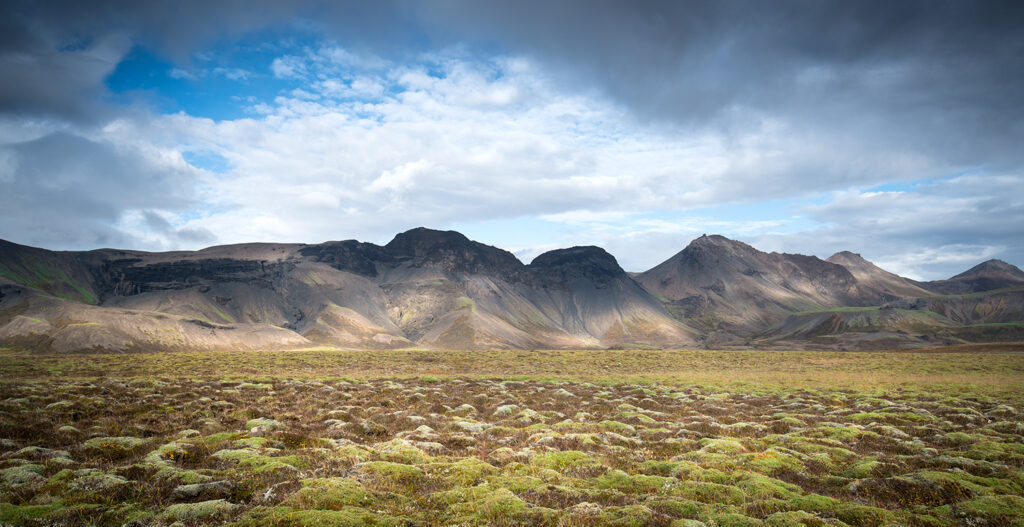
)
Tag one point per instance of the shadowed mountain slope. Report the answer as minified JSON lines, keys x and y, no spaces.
{"x":592,"y":295}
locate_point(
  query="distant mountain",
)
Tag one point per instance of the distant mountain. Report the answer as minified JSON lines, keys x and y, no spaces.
{"x":438,"y":289}
{"x":728,"y":285}
{"x":986,"y":276}
{"x":980,"y":305}
{"x":736,"y":294}
{"x":873,"y":279}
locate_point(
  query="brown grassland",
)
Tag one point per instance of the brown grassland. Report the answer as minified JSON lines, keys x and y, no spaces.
{"x":329,"y":437}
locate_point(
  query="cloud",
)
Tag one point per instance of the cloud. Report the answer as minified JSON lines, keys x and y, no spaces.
{"x":71,"y":191}
{"x":156,"y":223}
{"x":611,"y":120}
{"x":54,"y":80}
{"x":440,"y":140}
{"x":235,"y":74}
{"x":175,"y":30}
{"x":932,"y":230}
{"x":288,"y":67}
{"x":921,"y":77}
{"x":178,"y":73}
{"x":940,"y":81}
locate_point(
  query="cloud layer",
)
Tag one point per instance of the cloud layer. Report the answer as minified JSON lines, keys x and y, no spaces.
{"x":888,"y":129}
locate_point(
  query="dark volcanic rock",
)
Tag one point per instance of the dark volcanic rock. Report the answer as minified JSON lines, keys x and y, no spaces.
{"x":560,"y":267}
{"x":349,"y":255}
{"x":452,"y":252}
{"x":179,"y":275}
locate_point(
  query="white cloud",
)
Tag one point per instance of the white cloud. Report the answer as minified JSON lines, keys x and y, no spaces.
{"x":927,"y":263}
{"x":445,"y":141}
{"x":402,"y":177}
{"x":360,"y":147}
{"x":928,"y":231}
{"x":288,"y":67}
{"x":178,"y":73}
{"x":368,"y":152}
{"x":235,"y":74}
{"x":585,"y":217}
{"x":73,"y":190}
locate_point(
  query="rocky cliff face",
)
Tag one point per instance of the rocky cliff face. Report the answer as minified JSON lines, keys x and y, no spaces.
{"x":451,"y":252}
{"x":349,"y":256}
{"x":562,"y":267}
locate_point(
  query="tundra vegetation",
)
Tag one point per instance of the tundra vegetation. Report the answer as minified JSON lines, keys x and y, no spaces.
{"x":559,"y":438}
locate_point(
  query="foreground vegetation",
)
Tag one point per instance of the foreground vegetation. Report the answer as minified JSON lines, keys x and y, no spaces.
{"x":560,"y":438}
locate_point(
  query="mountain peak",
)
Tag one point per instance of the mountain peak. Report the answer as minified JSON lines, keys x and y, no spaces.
{"x":850,"y":259}
{"x":743,"y":286}
{"x":452,"y":251}
{"x":993,"y":267}
{"x":714,"y":239}
{"x":420,"y":238}
{"x":579,"y":255}
{"x":986,"y":276}
{"x":874,"y":279}
{"x":990,"y":267}
{"x":849,"y":255}
{"x":587,"y":262}
{"x":714,"y":247}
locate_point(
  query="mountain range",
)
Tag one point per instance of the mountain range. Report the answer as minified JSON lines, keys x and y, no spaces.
{"x":438,"y":289}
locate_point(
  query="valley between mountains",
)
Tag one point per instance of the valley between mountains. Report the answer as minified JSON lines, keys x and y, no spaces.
{"x":440,"y":290}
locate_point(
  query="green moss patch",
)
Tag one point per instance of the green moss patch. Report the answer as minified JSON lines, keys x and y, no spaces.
{"x":329,"y":493}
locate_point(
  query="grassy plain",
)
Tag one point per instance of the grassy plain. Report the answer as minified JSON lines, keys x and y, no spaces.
{"x":560,"y":438}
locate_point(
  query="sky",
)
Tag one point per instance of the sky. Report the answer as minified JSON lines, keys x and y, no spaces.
{"x":890,"y":129}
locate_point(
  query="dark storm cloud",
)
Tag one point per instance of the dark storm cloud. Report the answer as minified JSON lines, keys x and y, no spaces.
{"x":932,"y":76}
{"x":62,"y":52}
{"x":58,"y":54}
{"x":44,"y":77}
{"x":190,"y":236}
{"x":940,"y":77}
{"x":65,"y":190}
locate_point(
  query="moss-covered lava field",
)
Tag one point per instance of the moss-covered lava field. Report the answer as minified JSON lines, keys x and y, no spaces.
{"x":327,"y":437}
